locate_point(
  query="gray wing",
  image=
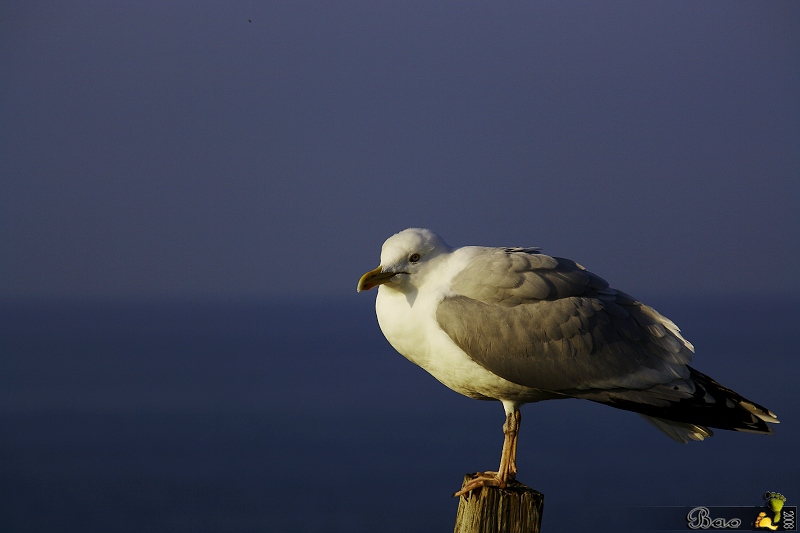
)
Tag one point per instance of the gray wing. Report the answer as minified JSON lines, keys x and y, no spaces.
{"x":547,"y":323}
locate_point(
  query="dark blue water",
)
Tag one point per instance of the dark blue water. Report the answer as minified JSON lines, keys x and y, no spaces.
{"x":286,"y":417}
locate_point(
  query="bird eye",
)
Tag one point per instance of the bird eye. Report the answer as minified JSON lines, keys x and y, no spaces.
{"x":413,"y":258}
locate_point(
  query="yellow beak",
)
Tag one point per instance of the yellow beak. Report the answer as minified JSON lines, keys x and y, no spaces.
{"x":373,"y":278}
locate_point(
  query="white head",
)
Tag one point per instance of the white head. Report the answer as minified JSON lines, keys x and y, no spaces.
{"x":403,"y":256}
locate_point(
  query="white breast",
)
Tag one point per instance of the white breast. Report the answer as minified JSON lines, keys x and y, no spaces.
{"x":410,"y":326}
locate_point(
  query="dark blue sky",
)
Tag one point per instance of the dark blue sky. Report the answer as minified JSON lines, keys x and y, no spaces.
{"x":163,"y":150}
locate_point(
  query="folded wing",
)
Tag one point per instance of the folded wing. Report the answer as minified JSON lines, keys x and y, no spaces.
{"x":547,"y":323}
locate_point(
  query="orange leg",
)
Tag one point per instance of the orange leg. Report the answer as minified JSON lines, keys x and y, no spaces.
{"x":508,"y":458}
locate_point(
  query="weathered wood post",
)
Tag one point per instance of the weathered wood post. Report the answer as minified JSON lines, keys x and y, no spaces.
{"x":514,"y":509}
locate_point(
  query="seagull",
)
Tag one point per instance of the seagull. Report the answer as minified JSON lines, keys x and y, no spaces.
{"x":519,"y":326}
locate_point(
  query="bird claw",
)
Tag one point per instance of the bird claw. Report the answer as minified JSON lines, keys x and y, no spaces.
{"x":482,"y":479}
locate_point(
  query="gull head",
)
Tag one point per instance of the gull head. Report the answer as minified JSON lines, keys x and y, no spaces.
{"x":405,"y":258}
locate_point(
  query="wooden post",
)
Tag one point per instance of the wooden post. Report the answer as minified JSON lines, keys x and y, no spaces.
{"x":514,"y":509}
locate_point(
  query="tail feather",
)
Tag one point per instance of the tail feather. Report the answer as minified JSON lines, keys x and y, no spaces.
{"x":686,"y":409}
{"x":679,"y":431}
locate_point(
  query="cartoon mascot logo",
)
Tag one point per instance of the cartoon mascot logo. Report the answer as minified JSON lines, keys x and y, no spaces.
{"x":775,"y":503}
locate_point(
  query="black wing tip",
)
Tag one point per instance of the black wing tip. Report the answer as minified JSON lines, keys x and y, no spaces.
{"x":710,"y":406}
{"x":742,"y":414}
